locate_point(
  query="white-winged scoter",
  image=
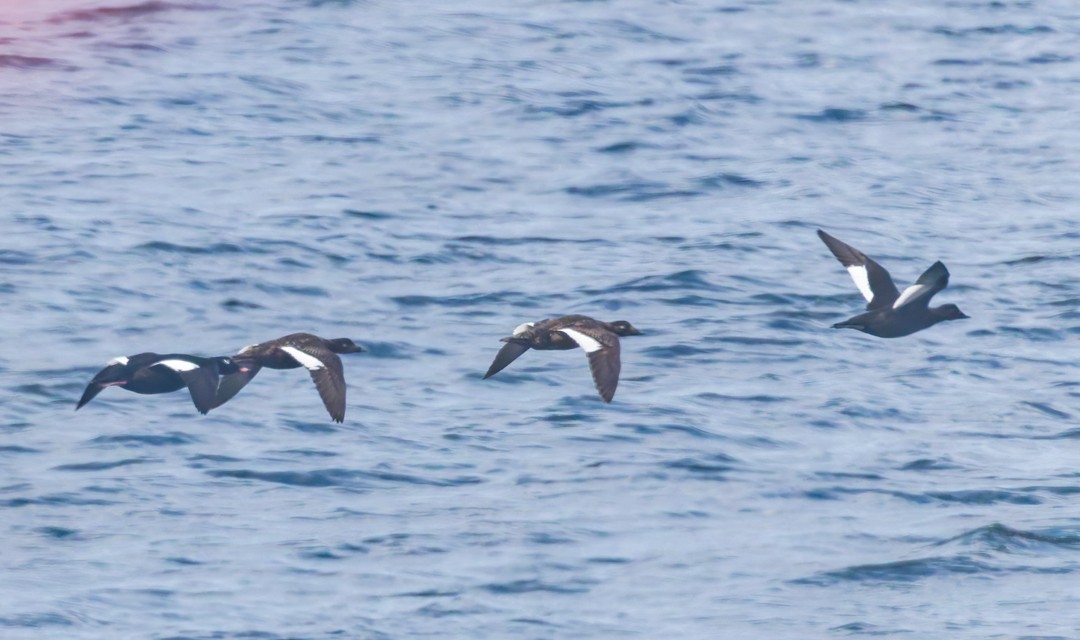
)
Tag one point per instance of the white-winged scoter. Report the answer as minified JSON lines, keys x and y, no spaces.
{"x":150,"y":373}
{"x":890,"y":313}
{"x":317,"y":355}
{"x":600,"y":340}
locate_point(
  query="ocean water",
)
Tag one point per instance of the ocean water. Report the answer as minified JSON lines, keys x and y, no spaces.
{"x":423,"y":177}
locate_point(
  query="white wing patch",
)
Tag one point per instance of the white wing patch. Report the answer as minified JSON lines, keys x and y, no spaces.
{"x":523,"y":328}
{"x":307,"y":360}
{"x":909,"y":294}
{"x":247,"y":348}
{"x":179,"y":365}
{"x":588,"y":343}
{"x":862,"y":280}
{"x":117,"y":360}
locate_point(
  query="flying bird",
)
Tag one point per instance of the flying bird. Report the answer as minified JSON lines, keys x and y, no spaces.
{"x":317,"y":355}
{"x":150,"y":373}
{"x":891,"y":313}
{"x":599,"y":340}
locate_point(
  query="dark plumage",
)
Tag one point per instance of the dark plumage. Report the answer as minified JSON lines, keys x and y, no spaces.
{"x":600,"y":340}
{"x":317,"y":355}
{"x":150,"y":373}
{"x":891,"y":313}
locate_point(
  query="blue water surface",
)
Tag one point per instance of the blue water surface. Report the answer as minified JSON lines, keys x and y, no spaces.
{"x":423,"y":177}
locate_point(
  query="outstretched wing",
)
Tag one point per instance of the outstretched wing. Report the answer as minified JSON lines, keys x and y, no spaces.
{"x":231,"y":384}
{"x":602,"y":347}
{"x":105,"y":378}
{"x":872,"y":280}
{"x":507,"y":354}
{"x":930,"y":282}
{"x":92,"y":390}
{"x":327,"y":374}
{"x":201,"y":381}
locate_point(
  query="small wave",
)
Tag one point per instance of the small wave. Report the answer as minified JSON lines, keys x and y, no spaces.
{"x":300,"y":290}
{"x":35,"y":620}
{"x":724,"y":180}
{"x":12,"y":61}
{"x":624,"y":147}
{"x":220,"y":248}
{"x":307,"y":453}
{"x":693,"y":300}
{"x":712,"y":466}
{"x":513,"y":298}
{"x":126,"y":12}
{"x":170,"y":439}
{"x":676,"y":351}
{"x":321,"y":478}
{"x":1000,"y":538}
{"x":691,"y":279}
{"x":136,"y":46}
{"x":712,"y":71}
{"x":901,"y":571}
{"x":368,"y":215}
{"x":387,"y":350}
{"x":575,"y":107}
{"x":1049,"y":58}
{"x":748,"y":341}
{"x":1035,"y":334}
{"x":995,"y":30}
{"x":531,"y":586}
{"x":763,"y":398}
{"x":348,"y":478}
{"x":59,"y":533}
{"x":102,"y":466}
{"x":13,"y":257}
{"x":835,"y":115}
{"x":1046,"y":409}
{"x":56,"y":500}
{"x":311,"y":427}
{"x":451,"y":254}
{"x":237,"y":304}
{"x":321,"y":553}
{"x":899,"y":106}
{"x":527,"y":240}
{"x":984,"y":497}
{"x":929,"y":464}
{"x":971,"y":496}
{"x":847,"y":475}
{"x":632,"y":191}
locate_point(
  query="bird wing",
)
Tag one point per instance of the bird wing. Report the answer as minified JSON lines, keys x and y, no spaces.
{"x":326,"y":372}
{"x":602,"y":348}
{"x":507,"y":354}
{"x":231,"y":384}
{"x":872,"y":280}
{"x":92,"y":390}
{"x":930,"y":282}
{"x":201,"y":380}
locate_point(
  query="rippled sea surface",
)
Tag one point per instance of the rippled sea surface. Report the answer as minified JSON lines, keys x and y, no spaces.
{"x":423,"y":177}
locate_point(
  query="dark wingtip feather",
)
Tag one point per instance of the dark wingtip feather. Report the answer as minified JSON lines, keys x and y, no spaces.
{"x":605,"y":366}
{"x":509,"y":352}
{"x":88,"y":395}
